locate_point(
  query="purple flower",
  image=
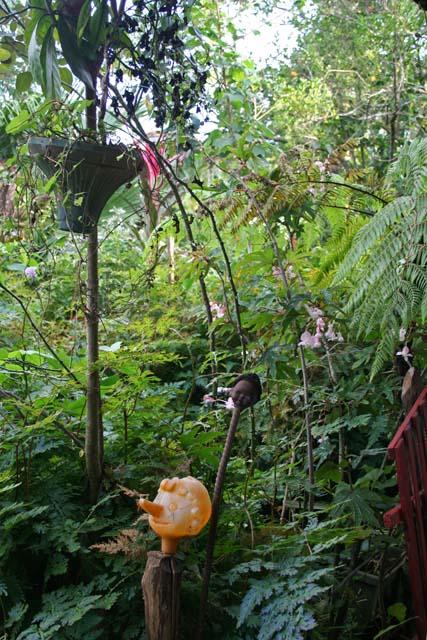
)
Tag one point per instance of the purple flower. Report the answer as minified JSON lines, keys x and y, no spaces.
{"x":30,"y":272}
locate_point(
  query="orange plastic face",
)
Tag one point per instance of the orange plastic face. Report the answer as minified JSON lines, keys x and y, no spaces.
{"x":181,"y":508}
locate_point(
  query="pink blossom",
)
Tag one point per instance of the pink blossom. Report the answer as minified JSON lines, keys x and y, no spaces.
{"x":320,"y":325}
{"x":330,"y":333}
{"x":314,"y":312}
{"x":290,"y":273}
{"x":150,"y":160}
{"x":179,"y":157}
{"x":229,"y":404}
{"x":320,"y":166}
{"x":305,"y":339}
{"x":405,"y":352}
{"x":207,"y":399}
{"x":308,"y":340}
{"x":317,"y":341}
{"x":218,"y":310}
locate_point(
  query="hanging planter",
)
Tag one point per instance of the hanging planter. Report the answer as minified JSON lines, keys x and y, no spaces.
{"x":88,"y":175}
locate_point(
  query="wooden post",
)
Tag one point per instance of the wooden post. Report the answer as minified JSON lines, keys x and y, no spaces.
{"x":160,"y":585}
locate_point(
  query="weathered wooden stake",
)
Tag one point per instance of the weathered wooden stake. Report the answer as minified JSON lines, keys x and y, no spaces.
{"x":161,"y":586}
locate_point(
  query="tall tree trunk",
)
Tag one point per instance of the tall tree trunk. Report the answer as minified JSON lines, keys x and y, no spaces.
{"x":94,"y":433}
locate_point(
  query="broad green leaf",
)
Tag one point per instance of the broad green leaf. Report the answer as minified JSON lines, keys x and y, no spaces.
{"x":66,"y":76}
{"x":19,"y":122}
{"x":71,"y":53}
{"x":48,"y":186}
{"x":5,"y":55}
{"x":34,"y":56}
{"x":23,"y":81}
{"x":49,"y":62}
{"x":98,"y":24}
{"x":83,"y":19}
{"x":397,"y":610}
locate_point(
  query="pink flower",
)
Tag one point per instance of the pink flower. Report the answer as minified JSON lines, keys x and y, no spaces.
{"x":229,"y":404}
{"x":179,"y":157}
{"x":330,"y":333}
{"x":207,"y":399}
{"x":308,"y":340}
{"x":317,"y":341}
{"x":320,"y":166}
{"x":305,"y":339}
{"x":290,"y":273}
{"x":320,"y":325}
{"x":405,"y":352}
{"x":218,"y":310}
{"x":314,"y":312}
{"x":149,"y":157}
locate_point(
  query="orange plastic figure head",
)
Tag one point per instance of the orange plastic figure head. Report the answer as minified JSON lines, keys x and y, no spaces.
{"x":181,"y":508}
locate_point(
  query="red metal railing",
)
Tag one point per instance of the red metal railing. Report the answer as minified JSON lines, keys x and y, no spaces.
{"x":409,"y":451}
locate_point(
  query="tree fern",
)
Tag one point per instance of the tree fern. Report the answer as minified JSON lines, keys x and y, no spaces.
{"x":388,"y":256}
{"x":372,"y":232}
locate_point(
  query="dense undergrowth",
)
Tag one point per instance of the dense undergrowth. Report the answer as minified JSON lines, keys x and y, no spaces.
{"x":72,"y":569}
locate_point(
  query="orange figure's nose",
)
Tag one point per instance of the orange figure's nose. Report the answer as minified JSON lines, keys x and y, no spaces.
{"x":152,"y":508}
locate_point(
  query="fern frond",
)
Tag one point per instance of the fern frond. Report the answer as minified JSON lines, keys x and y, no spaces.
{"x":383,"y":353}
{"x":390,"y":255}
{"x":379,"y":271}
{"x":368,"y":235}
{"x":423,"y":307}
{"x":337,"y":247}
{"x":127,"y":542}
{"x":417,"y":276}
